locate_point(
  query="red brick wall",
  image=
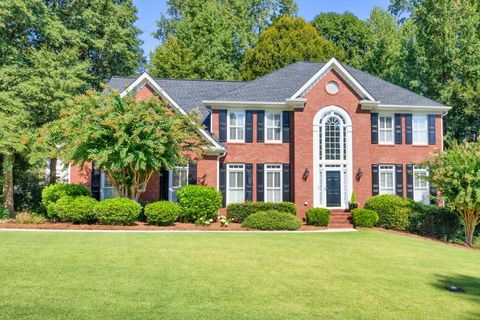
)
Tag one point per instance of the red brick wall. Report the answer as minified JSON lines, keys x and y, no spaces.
{"x":81,"y":176}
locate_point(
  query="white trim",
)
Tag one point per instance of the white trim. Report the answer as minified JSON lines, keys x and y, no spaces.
{"x":338,"y":67}
{"x":288,"y":104}
{"x":392,"y":116}
{"x":265,"y":180}
{"x":102,"y":186}
{"x":170,"y":181}
{"x":394,"y":182}
{"x":144,"y":79}
{"x":377,"y":106}
{"x":425,"y":117}
{"x":416,"y":169}
{"x":227,"y":187}
{"x":229,"y":112}
{"x":267,"y":141}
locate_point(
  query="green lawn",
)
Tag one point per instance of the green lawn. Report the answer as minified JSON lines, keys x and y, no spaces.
{"x":363,"y":275}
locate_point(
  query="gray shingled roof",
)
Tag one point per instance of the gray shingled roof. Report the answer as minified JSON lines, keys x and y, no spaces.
{"x":274,"y":87}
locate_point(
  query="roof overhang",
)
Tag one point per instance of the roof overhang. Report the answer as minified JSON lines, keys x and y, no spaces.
{"x":288,"y":104}
{"x":146,"y":79}
{"x":377,"y":106}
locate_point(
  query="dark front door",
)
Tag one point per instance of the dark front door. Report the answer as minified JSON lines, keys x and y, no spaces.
{"x":334,"y":198}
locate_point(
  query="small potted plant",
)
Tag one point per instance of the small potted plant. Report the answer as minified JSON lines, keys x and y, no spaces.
{"x":353,"y":204}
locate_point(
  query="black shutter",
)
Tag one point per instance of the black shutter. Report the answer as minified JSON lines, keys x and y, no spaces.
{"x":95,"y":184}
{"x":286,"y":126}
{"x":248,"y":126}
{"x":433,"y":194}
{"x":431,"y":129}
{"x":208,"y":123}
{"x":398,"y":128}
{"x":399,"y":180}
{"x":248,"y":182}
{"x":408,"y":128}
{"x":223,"y":182}
{"x":374,"y":123}
{"x":164,"y":174}
{"x":222,"y":121}
{"x":260,"y":126}
{"x":410,"y":181}
{"x":260,"y":182}
{"x":286,"y":183}
{"x":192,"y":173}
{"x":375,"y":179}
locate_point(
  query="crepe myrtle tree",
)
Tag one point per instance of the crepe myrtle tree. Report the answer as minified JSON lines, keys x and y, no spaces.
{"x":456,"y":175}
{"x":128,"y":139}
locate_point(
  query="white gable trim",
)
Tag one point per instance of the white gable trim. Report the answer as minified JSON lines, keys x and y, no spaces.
{"x":379,"y":107}
{"x":144,"y":79}
{"x":337,"y":66}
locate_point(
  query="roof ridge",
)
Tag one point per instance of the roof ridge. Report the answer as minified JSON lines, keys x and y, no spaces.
{"x":181,"y":79}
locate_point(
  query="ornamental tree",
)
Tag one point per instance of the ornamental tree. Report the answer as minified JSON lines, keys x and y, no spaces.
{"x":128,"y":139}
{"x":456,"y":175}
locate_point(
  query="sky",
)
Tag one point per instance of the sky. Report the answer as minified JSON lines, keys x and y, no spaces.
{"x":149,"y":12}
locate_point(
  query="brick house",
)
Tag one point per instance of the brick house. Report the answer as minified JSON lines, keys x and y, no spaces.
{"x":310,"y":133}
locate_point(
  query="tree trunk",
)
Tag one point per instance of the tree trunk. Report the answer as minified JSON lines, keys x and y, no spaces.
{"x":8,"y":203}
{"x":470,"y":221}
{"x":52,"y":178}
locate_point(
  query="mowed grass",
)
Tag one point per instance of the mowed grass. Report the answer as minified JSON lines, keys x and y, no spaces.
{"x":363,"y":275}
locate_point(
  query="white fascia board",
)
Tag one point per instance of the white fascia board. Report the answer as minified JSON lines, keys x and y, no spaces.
{"x":378,"y":106}
{"x":145,"y":78}
{"x":287,"y":104}
{"x":337,"y":66}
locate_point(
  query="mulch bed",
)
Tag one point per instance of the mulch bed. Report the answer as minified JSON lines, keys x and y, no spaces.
{"x":139,"y":226}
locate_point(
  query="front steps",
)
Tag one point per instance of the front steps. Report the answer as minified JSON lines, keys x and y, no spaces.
{"x":340,"y":219}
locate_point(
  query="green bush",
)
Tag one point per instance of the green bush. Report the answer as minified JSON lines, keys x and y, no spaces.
{"x":364,"y":218}
{"x":29,"y":218}
{"x":118,"y":211}
{"x":52,"y":193}
{"x":199,"y":202}
{"x":79,"y":209}
{"x":435,"y":222}
{"x":162,"y":213}
{"x":238,"y":212}
{"x":393,"y":211}
{"x":272,"y":220}
{"x":318,"y":217}
{"x":4,"y":215}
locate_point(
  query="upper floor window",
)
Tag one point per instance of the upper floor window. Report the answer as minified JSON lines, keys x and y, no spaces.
{"x":421,"y":190}
{"x":387,"y":179}
{"x":273,"y":122}
{"x":273,"y":183}
{"x":235,"y":183}
{"x":385,"y":129}
{"x":236,"y":126}
{"x":420,"y":129}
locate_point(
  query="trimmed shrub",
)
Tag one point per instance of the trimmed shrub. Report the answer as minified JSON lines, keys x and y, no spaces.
{"x":198,"y":202}
{"x":435,"y":222}
{"x":52,"y":193}
{"x":162,"y":213}
{"x":364,"y":218}
{"x":318,"y":217}
{"x":118,"y":211}
{"x":4,"y":215}
{"x":272,"y":220}
{"x":79,"y":209}
{"x":29,"y":218}
{"x":393,"y":211}
{"x":238,"y":212}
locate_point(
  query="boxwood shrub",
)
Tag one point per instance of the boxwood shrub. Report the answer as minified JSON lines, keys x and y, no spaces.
{"x":364,"y":218}
{"x":393,"y":211}
{"x":79,"y":209}
{"x":117,"y":211}
{"x":238,"y":212}
{"x":318,"y":217}
{"x":52,"y":193}
{"x":198,"y":202}
{"x":272,"y":220}
{"x":162,"y":213}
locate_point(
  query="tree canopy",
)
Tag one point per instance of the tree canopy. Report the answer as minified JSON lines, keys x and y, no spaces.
{"x":287,"y":41}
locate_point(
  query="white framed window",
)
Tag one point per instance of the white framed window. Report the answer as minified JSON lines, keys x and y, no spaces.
{"x":421,"y":188}
{"x":235,"y":183}
{"x":273,"y":183}
{"x":236,"y":126}
{"x":107,"y":190}
{"x":420,"y":129}
{"x":62,"y":172}
{"x":386,"y":129}
{"x":387,"y":179}
{"x":176,"y":179}
{"x":273,"y":126}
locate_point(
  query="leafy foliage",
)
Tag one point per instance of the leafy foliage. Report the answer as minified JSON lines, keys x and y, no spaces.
{"x":4,"y":214}
{"x":287,"y":41}
{"x":29,"y":218}
{"x":238,"y":212}
{"x":199,"y":202}
{"x":364,"y":218}
{"x":128,"y":139}
{"x":162,"y":213}
{"x":53,"y":193}
{"x":318,"y":217}
{"x":393,"y":211}
{"x":80,"y":209}
{"x":272,"y":220}
{"x":117,"y":211}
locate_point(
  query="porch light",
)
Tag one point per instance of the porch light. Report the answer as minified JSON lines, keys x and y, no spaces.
{"x":359,"y":174}
{"x":306,"y":173}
